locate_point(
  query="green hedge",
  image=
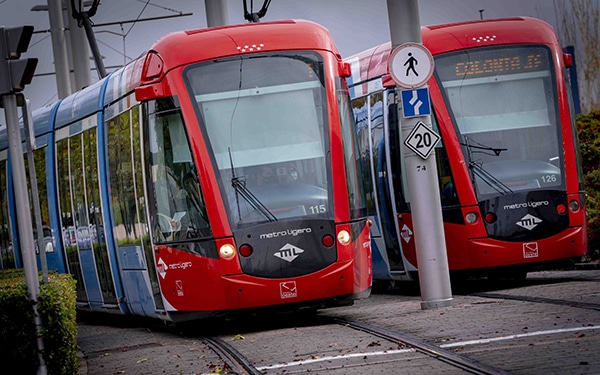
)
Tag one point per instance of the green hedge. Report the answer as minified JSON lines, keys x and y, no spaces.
{"x":56,"y":307}
{"x":588,"y":129}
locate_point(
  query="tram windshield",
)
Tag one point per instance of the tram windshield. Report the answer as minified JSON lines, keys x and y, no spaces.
{"x":503,"y":103}
{"x":266,"y":118}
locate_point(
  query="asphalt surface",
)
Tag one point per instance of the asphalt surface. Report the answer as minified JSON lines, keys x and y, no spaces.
{"x":549,"y":324}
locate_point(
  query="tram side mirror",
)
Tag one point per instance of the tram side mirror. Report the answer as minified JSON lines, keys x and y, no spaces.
{"x":567,"y":60}
{"x":387,"y":81}
{"x":345,"y":70}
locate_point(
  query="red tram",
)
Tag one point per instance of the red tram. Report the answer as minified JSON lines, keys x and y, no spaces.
{"x":216,"y":173}
{"x":510,"y":177}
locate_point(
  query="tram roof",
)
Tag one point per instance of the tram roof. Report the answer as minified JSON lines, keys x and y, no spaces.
{"x":192,"y":46}
{"x":217,"y":42}
{"x":373,"y":63}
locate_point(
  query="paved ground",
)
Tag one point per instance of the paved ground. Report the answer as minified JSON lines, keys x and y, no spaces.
{"x":551,"y":324}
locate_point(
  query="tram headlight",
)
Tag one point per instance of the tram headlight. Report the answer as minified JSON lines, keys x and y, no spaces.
{"x":471,"y":217}
{"x":574,"y":205}
{"x":344,"y":237}
{"x":227,"y":251}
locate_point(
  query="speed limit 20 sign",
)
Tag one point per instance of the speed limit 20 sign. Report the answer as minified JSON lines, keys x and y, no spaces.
{"x":422,"y":140}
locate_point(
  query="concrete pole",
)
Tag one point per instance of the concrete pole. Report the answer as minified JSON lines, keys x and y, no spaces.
{"x":80,"y":53}
{"x":17,"y":164}
{"x":216,"y":12}
{"x":434,"y":276}
{"x":59,"y":48}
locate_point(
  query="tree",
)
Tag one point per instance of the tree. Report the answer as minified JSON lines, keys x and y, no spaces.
{"x":578,"y":26}
{"x":588,"y":128}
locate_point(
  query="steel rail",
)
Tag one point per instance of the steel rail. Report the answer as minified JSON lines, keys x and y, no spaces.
{"x":441,"y":354}
{"x":234,"y":359}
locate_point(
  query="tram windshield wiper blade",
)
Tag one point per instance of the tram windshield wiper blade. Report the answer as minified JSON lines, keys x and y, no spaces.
{"x":495,"y":150}
{"x":489,"y":179}
{"x":239,"y":185}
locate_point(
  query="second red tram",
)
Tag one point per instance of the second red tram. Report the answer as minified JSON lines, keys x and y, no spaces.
{"x":510,"y":177}
{"x":214,"y":174}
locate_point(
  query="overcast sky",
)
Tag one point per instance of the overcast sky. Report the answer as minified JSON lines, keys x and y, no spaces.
{"x":354,"y":24}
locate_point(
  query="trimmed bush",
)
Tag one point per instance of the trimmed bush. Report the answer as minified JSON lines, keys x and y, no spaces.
{"x":56,"y":307}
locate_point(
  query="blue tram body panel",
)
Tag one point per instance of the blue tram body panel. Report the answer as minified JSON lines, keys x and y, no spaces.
{"x":79,"y":105}
{"x":90,"y":277}
{"x":381,"y":264}
{"x":136,"y":284}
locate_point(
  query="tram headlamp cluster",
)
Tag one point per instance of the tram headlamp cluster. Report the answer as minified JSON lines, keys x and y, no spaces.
{"x":344,"y":237}
{"x":574,"y":205}
{"x":227,"y":251}
{"x":471,"y":217}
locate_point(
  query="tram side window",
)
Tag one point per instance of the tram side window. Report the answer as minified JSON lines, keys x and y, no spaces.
{"x":352,"y":155}
{"x":68,"y":223}
{"x":127,"y":186}
{"x":178,"y":209}
{"x":360,"y":111}
{"x":40,"y":174}
{"x":448,"y":194}
{"x":129,"y":229}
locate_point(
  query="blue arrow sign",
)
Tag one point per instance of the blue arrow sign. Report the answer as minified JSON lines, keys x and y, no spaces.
{"x":416,"y":102}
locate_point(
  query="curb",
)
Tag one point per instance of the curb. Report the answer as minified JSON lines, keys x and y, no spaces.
{"x":83,"y":370}
{"x":587,"y":266}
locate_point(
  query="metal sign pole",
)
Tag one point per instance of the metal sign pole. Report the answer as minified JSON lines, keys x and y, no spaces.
{"x":411,"y":65}
{"x":35,"y":196}
{"x":23,"y":213}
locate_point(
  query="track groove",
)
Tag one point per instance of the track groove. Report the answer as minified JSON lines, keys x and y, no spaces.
{"x":234,"y":359}
{"x":562,"y":302}
{"x":441,"y":354}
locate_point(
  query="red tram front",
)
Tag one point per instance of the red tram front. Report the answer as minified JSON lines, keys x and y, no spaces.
{"x":251,"y":173}
{"x":509,"y":176}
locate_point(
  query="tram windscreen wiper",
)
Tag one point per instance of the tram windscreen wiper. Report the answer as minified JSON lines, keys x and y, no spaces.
{"x":239,"y":185}
{"x":469,"y":144}
{"x":478,"y":170}
{"x":489,"y":179}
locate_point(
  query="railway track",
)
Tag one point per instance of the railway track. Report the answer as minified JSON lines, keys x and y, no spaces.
{"x":550,"y":325}
{"x":385,"y":349}
{"x":536,"y":299}
{"x":433,"y":351}
{"x":237,"y":363}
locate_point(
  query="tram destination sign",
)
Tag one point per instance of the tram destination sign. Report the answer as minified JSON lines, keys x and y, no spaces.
{"x":422,"y":140}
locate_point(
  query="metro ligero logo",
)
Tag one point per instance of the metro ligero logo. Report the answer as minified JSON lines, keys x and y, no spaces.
{"x":529,"y":222}
{"x":288,"y":252}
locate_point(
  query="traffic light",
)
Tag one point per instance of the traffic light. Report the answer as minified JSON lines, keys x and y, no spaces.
{"x":15,"y":72}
